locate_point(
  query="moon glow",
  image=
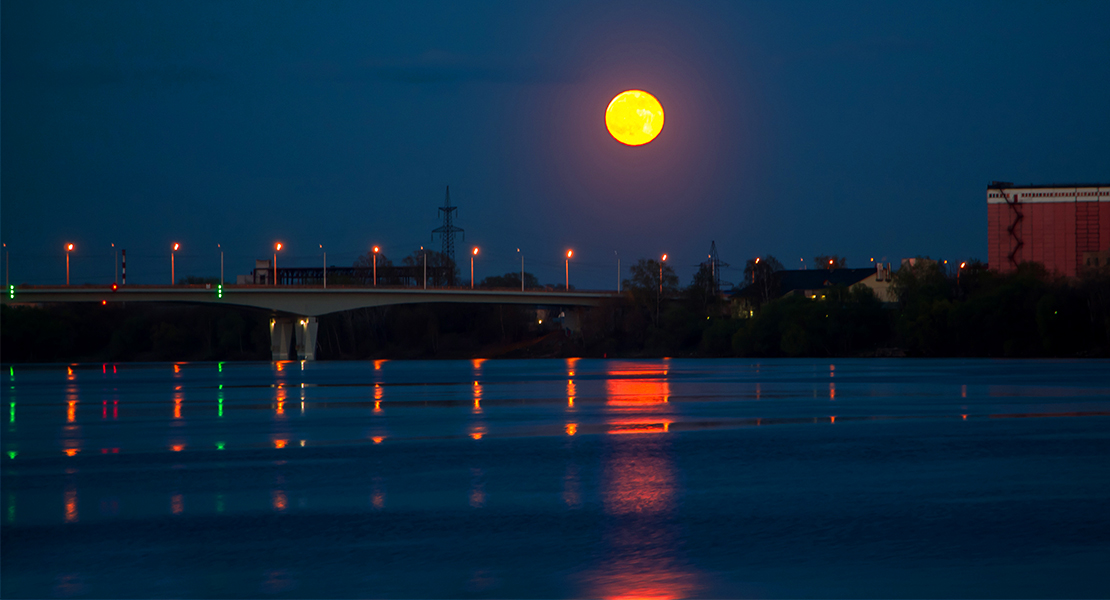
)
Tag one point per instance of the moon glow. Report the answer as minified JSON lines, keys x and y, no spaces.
{"x":634,"y":117}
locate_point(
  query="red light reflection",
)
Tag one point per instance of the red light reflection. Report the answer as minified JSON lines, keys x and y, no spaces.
{"x":639,"y":483}
{"x":71,"y":504}
{"x":280,"y":500}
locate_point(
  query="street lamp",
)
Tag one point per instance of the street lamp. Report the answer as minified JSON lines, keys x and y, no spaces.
{"x":325,"y":266}
{"x":473,"y":253}
{"x":221,"y":263}
{"x":521,"y":269}
{"x":569,"y":254}
{"x":659,"y":298}
{"x":661,"y":273}
{"x":173,"y":275}
{"x":376,"y":250}
{"x":958,"y":271}
{"x":425,"y":253}
{"x":277,"y":247}
{"x":115,"y":265}
{"x":618,"y":271}
{"x":69,"y":248}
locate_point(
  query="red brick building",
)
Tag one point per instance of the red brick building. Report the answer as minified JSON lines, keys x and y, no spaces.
{"x":1063,"y":227}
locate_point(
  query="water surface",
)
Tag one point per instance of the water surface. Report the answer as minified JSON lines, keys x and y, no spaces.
{"x":557,"y":478}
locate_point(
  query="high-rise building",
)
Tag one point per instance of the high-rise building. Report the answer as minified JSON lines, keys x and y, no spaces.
{"x":1063,"y":227}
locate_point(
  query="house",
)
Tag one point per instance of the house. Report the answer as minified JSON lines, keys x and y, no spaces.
{"x":814,"y":284}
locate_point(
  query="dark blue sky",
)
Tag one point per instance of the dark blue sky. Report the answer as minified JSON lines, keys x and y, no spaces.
{"x":794,"y":129}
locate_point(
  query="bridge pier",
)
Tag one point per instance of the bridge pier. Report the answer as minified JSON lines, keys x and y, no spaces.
{"x":306,"y":337}
{"x":281,"y":333}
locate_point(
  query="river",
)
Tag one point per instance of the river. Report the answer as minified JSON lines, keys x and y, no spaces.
{"x":557,"y":478}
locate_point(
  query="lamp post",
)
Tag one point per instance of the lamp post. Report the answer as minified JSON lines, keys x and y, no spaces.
{"x":173,"y":275}
{"x":325,"y":266}
{"x":221,"y":263}
{"x":69,"y":248}
{"x":376,"y":249}
{"x":473,"y":253}
{"x":115,"y":265}
{"x":521,"y":269}
{"x":659,"y":298}
{"x":277,"y":247}
{"x":958,"y":271}
{"x":661,"y":273}
{"x":569,"y":254}
{"x":425,"y":253}
{"x":618,"y":271}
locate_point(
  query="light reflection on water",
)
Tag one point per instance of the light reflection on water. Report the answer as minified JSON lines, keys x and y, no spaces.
{"x":603,"y":440}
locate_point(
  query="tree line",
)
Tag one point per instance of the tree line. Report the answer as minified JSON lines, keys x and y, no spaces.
{"x":972,"y":311}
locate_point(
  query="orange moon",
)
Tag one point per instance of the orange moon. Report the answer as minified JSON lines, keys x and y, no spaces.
{"x":634,"y":117}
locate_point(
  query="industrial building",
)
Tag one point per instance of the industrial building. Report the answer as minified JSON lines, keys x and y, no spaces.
{"x":1064,"y":227}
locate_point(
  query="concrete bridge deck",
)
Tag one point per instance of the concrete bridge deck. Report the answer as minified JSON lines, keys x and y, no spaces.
{"x":296,"y":308}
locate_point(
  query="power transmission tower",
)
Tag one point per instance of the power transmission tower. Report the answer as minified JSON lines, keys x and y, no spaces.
{"x":447,"y":234}
{"x":714,"y":263}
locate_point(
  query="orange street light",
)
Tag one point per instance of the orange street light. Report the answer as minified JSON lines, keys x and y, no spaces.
{"x":570,"y":253}
{"x":69,"y":248}
{"x":277,"y":247}
{"x":661,"y":273}
{"x":376,"y":250}
{"x":173,"y":276}
{"x":521,"y":269}
{"x":473,"y":253}
{"x":757,"y":260}
{"x":659,"y":298}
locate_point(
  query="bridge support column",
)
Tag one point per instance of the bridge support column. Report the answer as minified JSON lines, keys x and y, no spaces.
{"x":281,"y":333}
{"x":306,"y":337}
{"x":572,"y":320}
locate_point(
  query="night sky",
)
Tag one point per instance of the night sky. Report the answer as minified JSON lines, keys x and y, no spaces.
{"x":792,"y":128}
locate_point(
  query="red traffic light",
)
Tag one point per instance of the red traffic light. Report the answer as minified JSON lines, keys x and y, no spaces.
{"x":114,"y":287}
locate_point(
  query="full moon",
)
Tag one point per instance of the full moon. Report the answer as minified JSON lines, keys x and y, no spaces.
{"x":634,"y":117}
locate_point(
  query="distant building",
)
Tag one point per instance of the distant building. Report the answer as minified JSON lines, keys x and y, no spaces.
{"x":815,"y":284}
{"x":1063,"y":227}
{"x":259,"y":276}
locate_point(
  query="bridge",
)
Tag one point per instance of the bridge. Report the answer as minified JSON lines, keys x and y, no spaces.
{"x":295,"y":308}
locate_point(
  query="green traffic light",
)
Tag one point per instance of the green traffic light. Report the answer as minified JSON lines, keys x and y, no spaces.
{"x":220,"y":290}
